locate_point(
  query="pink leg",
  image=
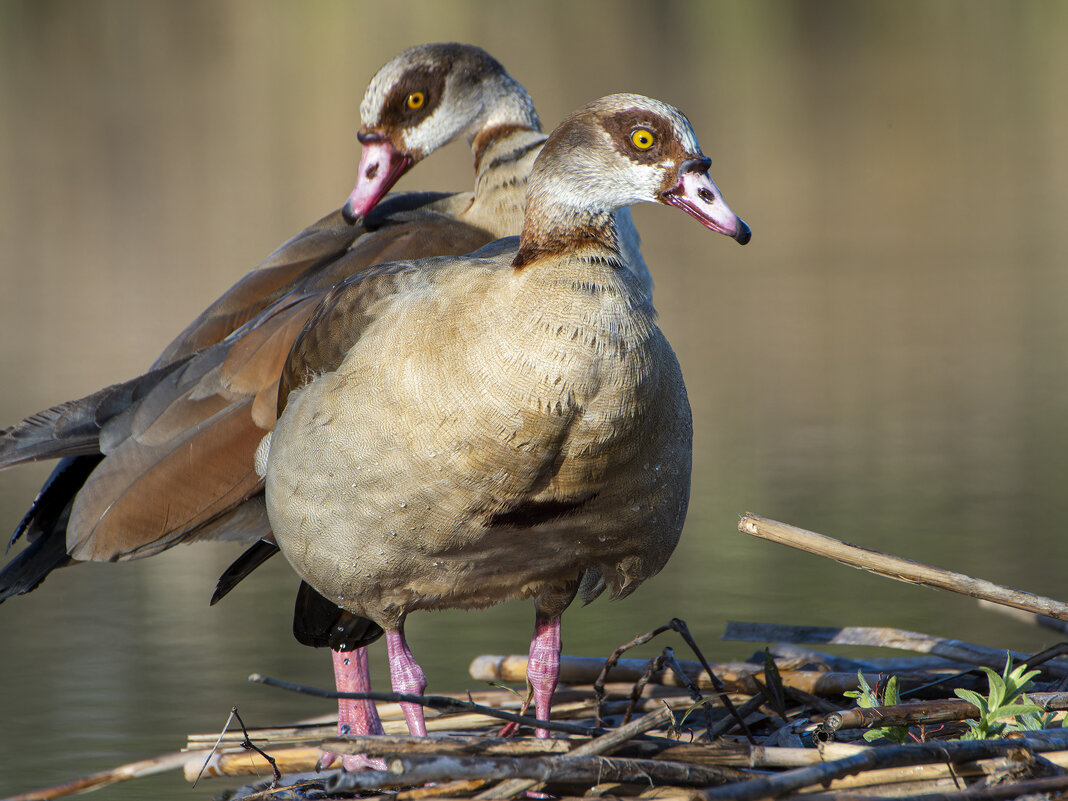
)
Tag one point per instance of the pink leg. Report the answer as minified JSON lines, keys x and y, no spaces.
{"x":543,"y":667}
{"x":407,"y":678}
{"x":351,"y":675}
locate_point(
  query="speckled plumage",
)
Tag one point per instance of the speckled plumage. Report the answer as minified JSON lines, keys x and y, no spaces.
{"x":459,"y":431}
{"x":475,"y":391}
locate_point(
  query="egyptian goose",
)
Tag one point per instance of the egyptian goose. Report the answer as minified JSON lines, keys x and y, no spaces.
{"x":166,"y":458}
{"x":460,"y":431}
{"x":210,"y":395}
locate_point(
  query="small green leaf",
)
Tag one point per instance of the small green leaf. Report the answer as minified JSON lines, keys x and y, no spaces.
{"x":891,"y":697}
{"x":692,"y":708}
{"x":973,"y":698}
{"x":1013,"y":710}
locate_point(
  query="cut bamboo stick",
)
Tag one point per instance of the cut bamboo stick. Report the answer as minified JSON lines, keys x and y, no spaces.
{"x":238,"y":762}
{"x":738,"y":677}
{"x":898,"y":568}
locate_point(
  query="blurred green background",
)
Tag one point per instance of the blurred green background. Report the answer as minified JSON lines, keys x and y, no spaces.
{"x":884,"y":363}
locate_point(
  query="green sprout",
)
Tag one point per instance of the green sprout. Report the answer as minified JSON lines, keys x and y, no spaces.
{"x":868,"y":698}
{"x":1006,"y":707}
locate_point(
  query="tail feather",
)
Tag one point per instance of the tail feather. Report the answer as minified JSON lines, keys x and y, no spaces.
{"x":322,"y":624}
{"x":253,"y":557}
{"x":50,"y":510}
{"x":73,"y":428}
{"x":45,"y":528}
{"x":33,"y":564}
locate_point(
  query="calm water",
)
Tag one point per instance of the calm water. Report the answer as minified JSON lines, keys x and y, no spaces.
{"x":884,"y":363}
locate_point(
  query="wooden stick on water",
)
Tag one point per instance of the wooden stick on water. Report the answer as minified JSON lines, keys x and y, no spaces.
{"x":897,"y":568}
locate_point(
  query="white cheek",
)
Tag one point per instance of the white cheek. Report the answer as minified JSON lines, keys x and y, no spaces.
{"x":450,"y":119}
{"x":642,"y":181}
{"x":652,"y":176}
{"x":614,"y":186}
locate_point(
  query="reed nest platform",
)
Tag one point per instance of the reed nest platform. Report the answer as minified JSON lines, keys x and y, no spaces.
{"x":778,"y":726}
{"x":793,"y":721}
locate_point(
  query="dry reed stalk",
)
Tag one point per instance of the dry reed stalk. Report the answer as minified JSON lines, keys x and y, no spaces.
{"x":1035,"y":788}
{"x":406,"y":771}
{"x":999,"y":766}
{"x":738,"y":677}
{"x":238,"y":762}
{"x":380,"y":745}
{"x":898,"y":568}
{"x":304,"y":735}
{"x":877,"y":758}
{"x":461,"y":787}
{"x":94,"y":781}
{"x":604,"y":744}
{"x":1044,"y":621}
{"x":922,"y":712}
{"x":884,"y":638}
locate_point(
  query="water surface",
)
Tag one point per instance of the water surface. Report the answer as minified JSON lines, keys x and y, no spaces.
{"x":883,"y":363}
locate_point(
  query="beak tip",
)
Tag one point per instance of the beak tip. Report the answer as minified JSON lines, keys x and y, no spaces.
{"x":349,"y":213}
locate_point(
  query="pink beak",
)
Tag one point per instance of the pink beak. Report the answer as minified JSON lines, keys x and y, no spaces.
{"x":381,"y":166}
{"x":698,"y":196}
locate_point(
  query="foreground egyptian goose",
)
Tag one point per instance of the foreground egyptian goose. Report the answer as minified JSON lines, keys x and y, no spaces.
{"x":461,"y":431}
{"x":166,"y":458}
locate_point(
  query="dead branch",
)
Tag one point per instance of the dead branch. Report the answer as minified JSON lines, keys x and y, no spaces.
{"x":439,"y":703}
{"x":604,"y":744}
{"x":405,"y":771}
{"x":898,"y":568}
{"x":737,"y":677}
{"x":877,"y":758}
{"x":132,"y":770}
{"x":883,"y":637}
{"x":925,"y":712}
{"x":443,"y":745}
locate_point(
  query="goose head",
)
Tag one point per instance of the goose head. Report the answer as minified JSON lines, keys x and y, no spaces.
{"x":617,"y":151}
{"x":423,"y":99}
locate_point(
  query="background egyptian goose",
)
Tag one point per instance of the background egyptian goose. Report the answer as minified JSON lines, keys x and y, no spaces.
{"x":460,"y":431}
{"x":166,"y":457}
{"x":212,"y":406}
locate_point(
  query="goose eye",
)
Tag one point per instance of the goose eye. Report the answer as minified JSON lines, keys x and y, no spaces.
{"x":642,"y":138}
{"x":415,"y":100}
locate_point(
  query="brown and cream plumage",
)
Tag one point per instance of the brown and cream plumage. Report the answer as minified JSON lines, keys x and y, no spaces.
{"x":166,"y":457}
{"x":211,"y":393}
{"x":459,"y":431}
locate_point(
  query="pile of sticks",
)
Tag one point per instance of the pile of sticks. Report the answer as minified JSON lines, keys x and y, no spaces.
{"x":778,"y":725}
{"x":791,"y":732}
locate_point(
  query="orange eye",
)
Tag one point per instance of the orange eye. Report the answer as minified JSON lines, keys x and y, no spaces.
{"x":642,"y":138}
{"x":415,"y":100}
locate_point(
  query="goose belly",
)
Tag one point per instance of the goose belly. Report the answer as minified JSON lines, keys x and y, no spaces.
{"x":399,"y":483}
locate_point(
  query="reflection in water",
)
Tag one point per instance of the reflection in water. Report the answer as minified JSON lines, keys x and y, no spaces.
{"x":883,"y":363}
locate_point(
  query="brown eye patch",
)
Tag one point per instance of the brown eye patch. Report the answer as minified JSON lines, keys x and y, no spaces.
{"x":622,"y":126}
{"x":398,"y":111}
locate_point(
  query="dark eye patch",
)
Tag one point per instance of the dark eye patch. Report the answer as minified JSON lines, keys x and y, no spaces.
{"x":622,"y":124}
{"x":395,"y":112}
